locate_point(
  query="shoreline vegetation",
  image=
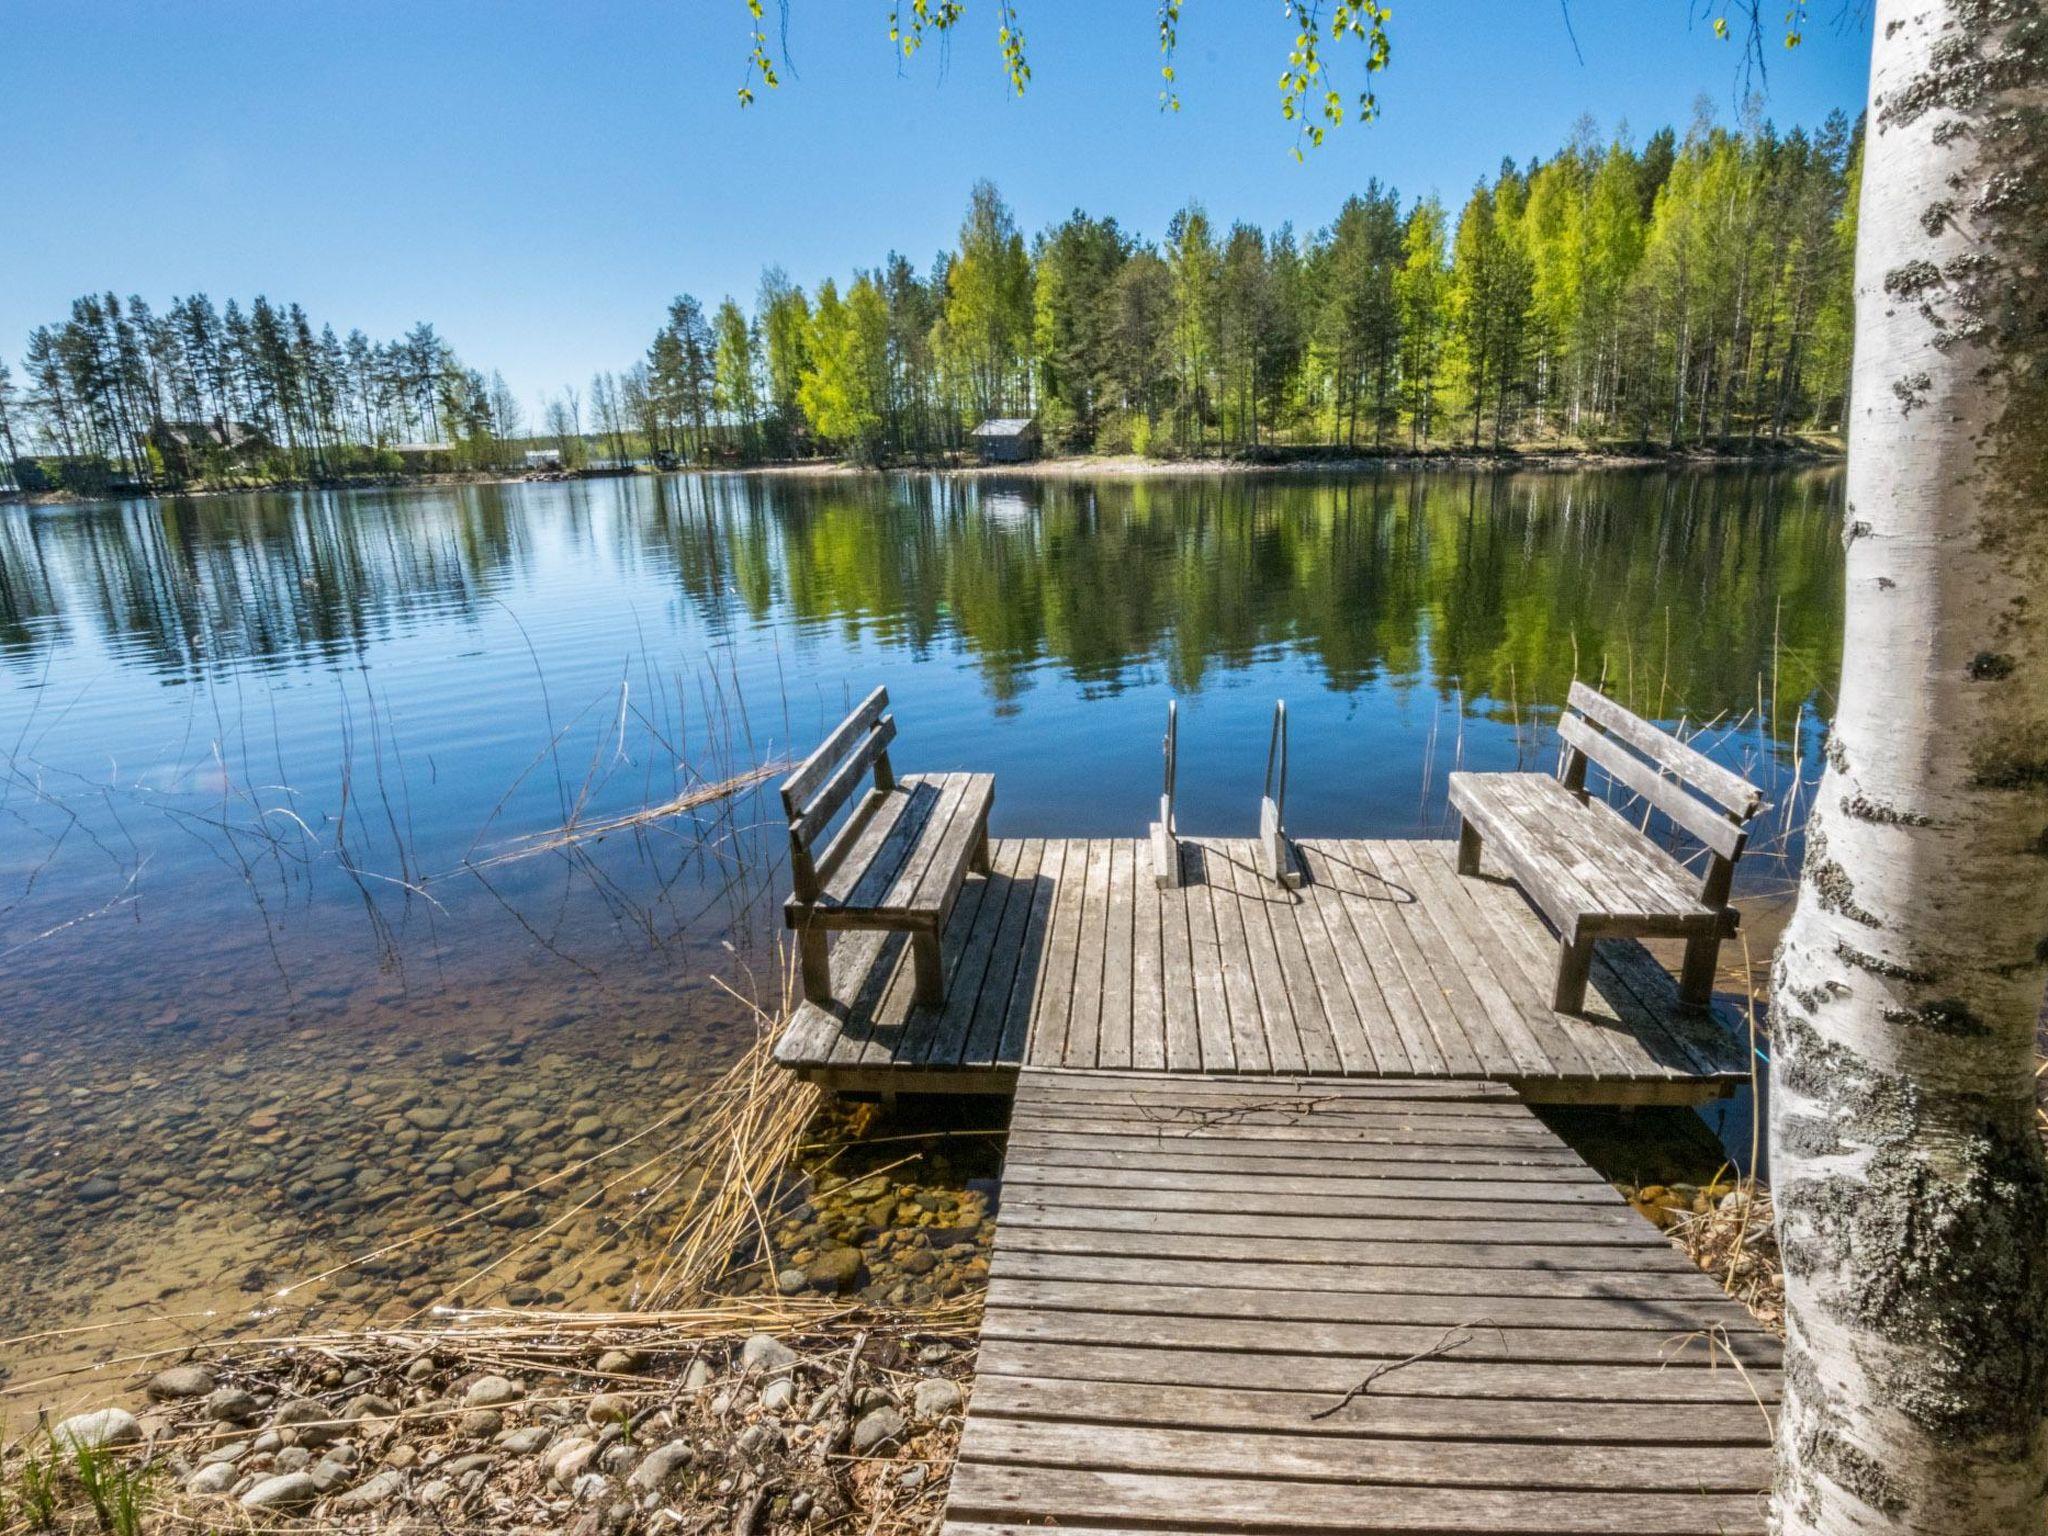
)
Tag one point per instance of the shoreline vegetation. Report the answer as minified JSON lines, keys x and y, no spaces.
{"x":1686,"y":294}
{"x":1789,"y":452}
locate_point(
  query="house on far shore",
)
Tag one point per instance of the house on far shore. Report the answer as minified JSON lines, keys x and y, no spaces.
{"x":184,"y":445}
{"x":543,"y":458}
{"x":1007,"y":440}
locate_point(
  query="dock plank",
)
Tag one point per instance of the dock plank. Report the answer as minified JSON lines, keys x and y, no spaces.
{"x":1213,"y":1308}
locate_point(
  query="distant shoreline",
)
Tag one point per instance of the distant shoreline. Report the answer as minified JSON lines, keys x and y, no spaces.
{"x":1090,"y":466}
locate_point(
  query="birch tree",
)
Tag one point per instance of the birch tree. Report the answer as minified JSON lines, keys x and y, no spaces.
{"x":1911,"y":1194}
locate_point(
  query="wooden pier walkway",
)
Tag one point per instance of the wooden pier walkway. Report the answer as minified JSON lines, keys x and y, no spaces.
{"x":1277,"y":1304}
{"x":1387,"y":963}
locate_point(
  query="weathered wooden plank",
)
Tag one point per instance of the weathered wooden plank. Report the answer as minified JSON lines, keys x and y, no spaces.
{"x":932,"y":874}
{"x":1705,"y":822}
{"x":808,"y":821}
{"x":1256,"y":1125}
{"x":1369,"y":1416}
{"x":1248,"y":1031}
{"x":1284,"y":1099}
{"x":875,"y":1004}
{"x":1032,"y":976}
{"x":1303,"y":1195}
{"x":1179,"y":1010}
{"x":1245,"y":1330}
{"x":938,"y":1031}
{"x":1027,"y":1150}
{"x":1592,"y":1227}
{"x":1332,"y":1042}
{"x":1112,"y":1151}
{"x":881,"y":828}
{"x":963,"y":1012}
{"x":1055,"y":1002}
{"x":1115,"y":1038}
{"x":1635,"y":1329}
{"x":798,"y":788}
{"x":1457,"y":1270}
{"x":1288,"y":1036}
{"x":1436,"y":1043}
{"x":1741,"y":797}
{"x":1594,"y":1045}
{"x":1293,"y":1457}
{"x":1102,"y":1499}
{"x":1445,"y":1376}
{"x":1419,"y":1093}
{"x":1014,"y":865}
{"x":1148,"y":996}
{"x":1712,"y":1045}
{"x":870,"y":885}
{"x":1473,"y":1340}
{"x":1084,"y":1019}
{"x":1205,"y":956}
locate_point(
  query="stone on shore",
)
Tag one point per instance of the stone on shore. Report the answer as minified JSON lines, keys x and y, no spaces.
{"x":934,"y":1398}
{"x":289,"y":1490}
{"x":878,"y":1431}
{"x":765,"y":1352}
{"x":180,"y":1381}
{"x":661,"y":1464}
{"x":212,"y":1480}
{"x":373,"y":1490}
{"x":492,"y":1392}
{"x":92,"y":1431}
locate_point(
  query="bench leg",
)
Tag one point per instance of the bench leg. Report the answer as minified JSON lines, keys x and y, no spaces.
{"x":931,"y":972}
{"x":1574,"y":963}
{"x":1468,"y":848}
{"x":815,"y":960}
{"x":1696,"y":979}
{"x":978,"y":860}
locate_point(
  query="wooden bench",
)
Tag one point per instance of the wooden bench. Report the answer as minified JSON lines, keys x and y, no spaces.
{"x":1591,"y":872}
{"x":898,"y":861}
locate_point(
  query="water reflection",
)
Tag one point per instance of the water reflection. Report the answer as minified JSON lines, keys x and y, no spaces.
{"x":1694,"y":584}
{"x":254,"y":749}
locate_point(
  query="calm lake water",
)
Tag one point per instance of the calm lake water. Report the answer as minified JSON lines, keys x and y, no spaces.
{"x":275,"y":767}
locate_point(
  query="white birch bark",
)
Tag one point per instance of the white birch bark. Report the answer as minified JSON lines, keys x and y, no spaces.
{"x":1912,"y":1199}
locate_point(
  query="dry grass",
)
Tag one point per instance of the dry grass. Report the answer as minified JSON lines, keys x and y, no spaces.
{"x":575,"y":833}
{"x":1737,"y":1243}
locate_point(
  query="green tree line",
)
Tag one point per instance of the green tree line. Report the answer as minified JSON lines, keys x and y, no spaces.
{"x":195,"y":390}
{"x":1687,"y":291}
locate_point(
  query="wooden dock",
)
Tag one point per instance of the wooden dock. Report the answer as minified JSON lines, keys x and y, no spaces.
{"x":1386,"y":964}
{"x":1277,"y":1304}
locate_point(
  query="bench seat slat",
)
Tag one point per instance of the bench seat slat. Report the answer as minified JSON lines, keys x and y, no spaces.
{"x":1587,"y":868}
{"x":946,"y":850}
{"x":907,"y":855}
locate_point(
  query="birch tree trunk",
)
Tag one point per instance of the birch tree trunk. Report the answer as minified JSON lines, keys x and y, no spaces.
{"x":1912,"y":1198}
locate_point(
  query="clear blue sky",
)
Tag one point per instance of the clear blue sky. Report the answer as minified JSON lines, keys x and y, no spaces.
{"x":538,"y":179}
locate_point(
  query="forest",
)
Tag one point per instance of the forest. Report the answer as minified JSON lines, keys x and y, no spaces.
{"x":1690,"y":292}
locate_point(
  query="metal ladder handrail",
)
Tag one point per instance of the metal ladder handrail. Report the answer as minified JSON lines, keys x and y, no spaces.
{"x":1276,"y":754}
{"x":1166,"y":830}
{"x":1277,"y":858}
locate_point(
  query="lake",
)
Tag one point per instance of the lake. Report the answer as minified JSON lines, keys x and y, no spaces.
{"x":284,"y":887}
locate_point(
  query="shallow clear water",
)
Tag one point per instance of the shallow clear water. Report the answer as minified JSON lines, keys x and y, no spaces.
{"x":265,"y":758}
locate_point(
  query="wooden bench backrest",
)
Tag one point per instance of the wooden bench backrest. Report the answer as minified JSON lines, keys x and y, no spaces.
{"x":1695,"y":792}
{"x":822,"y":783}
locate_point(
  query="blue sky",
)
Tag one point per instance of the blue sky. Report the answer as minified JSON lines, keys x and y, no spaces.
{"x":538,"y":179}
